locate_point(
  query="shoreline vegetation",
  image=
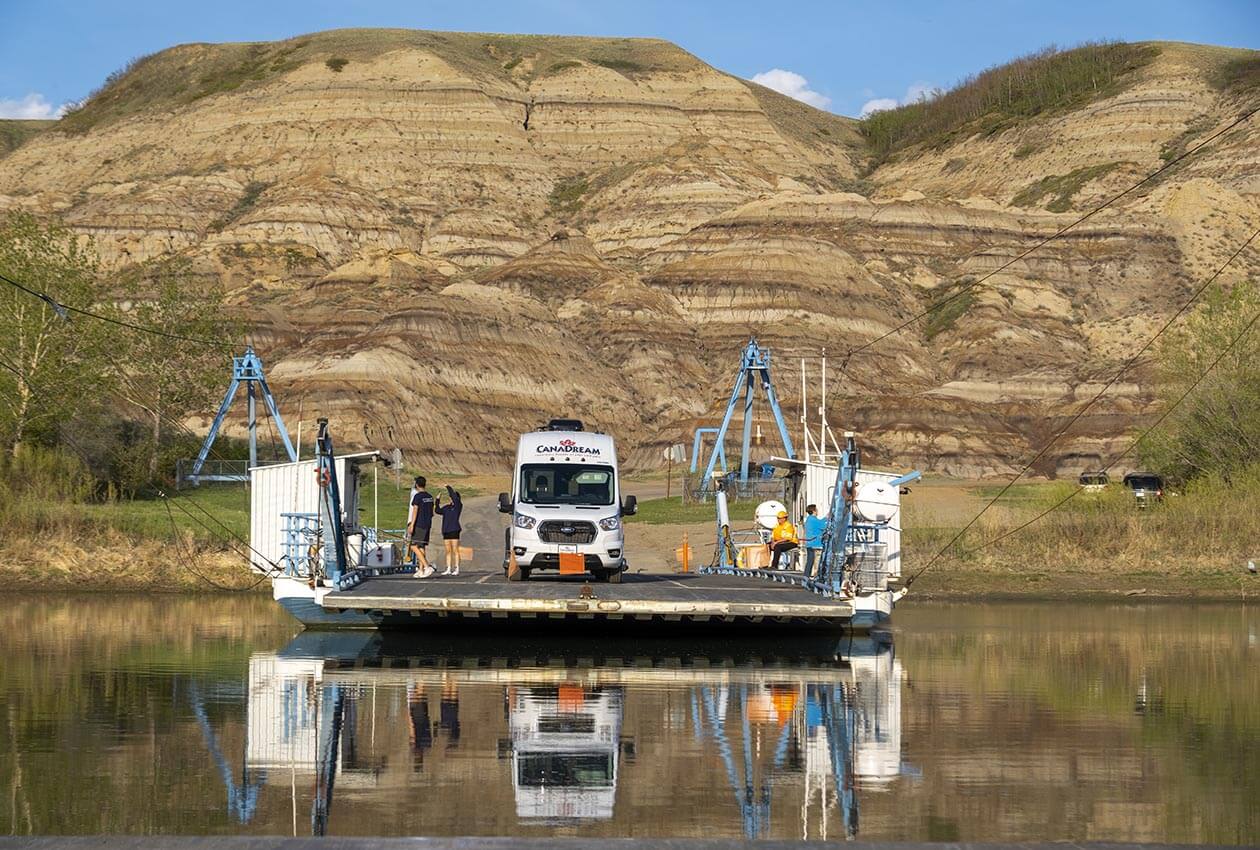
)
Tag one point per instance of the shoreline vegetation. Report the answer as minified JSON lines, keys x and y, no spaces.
{"x":1194,"y":546}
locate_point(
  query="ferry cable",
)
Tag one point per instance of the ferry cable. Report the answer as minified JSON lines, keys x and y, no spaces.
{"x":1085,"y":407}
{"x":63,"y":310}
{"x":189,"y":560}
{"x":1045,"y":241}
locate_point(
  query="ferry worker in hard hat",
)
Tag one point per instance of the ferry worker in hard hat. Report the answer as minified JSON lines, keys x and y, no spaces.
{"x":419,"y":524}
{"x":782,"y":539}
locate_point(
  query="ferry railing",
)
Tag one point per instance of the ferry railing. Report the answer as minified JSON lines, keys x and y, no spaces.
{"x":301,"y":542}
{"x":214,"y":471}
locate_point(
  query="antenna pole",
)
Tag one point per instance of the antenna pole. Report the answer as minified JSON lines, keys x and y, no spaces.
{"x":822,"y":409}
{"x":804,"y":412}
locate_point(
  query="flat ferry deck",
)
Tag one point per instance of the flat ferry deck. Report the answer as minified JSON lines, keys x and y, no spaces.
{"x":486,"y":597}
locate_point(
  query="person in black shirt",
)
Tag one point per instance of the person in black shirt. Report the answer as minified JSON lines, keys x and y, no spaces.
{"x":419,"y":524}
{"x":451,"y":528}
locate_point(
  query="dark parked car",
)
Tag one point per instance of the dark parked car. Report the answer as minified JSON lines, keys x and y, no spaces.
{"x":1147,"y":487}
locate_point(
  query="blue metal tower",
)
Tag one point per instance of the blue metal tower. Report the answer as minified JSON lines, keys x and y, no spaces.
{"x":248,"y":370}
{"x":332,"y":533}
{"x":754,"y":367}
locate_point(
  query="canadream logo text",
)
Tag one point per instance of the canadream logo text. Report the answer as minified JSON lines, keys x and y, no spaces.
{"x":567,"y":447}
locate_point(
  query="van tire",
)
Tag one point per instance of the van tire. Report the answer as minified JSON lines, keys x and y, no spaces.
{"x":613,"y":576}
{"x":521,"y":574}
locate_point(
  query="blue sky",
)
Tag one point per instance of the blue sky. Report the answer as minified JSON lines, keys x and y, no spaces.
{"x":842,"y":55}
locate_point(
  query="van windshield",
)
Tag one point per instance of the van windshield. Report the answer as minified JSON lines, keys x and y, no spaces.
{"x":1143,"y":482}
{"x":566,"y":484}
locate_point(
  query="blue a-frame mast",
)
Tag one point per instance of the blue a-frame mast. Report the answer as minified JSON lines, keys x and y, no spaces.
{"x":248,"y":370}
{"x":754,"y":368}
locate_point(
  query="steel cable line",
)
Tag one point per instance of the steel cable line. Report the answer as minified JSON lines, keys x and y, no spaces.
{"x":64,"y":309}
{"x":188,"y":558}
{"x":1047,"y":240}
{"x":1076,"y":417}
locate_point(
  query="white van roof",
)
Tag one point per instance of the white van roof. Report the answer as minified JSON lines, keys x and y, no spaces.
{"x":566,"y":447}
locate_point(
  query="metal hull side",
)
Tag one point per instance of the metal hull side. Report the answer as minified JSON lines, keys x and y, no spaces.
{"x":403,"y":604}
{"x":873,"y":609}
{"x":302,"y":603}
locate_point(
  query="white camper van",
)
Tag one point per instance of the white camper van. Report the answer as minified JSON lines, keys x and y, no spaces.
{"x":565,"y":499}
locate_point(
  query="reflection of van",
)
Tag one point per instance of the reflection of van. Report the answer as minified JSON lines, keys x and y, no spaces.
{"x":566,"y":499}
{"x":1147,"y":487}
{"x":1094,"y":482}
{"x":566,"y":743}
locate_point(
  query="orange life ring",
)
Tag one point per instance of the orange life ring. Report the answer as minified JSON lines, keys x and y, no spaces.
{"x":323,"y":476}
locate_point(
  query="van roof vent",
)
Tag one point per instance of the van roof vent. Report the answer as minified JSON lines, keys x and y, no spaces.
{"x":563,"y":425}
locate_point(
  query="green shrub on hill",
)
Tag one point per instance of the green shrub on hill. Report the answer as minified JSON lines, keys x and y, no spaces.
{"x":1046,"y":81}
{"x":1239,"y":76}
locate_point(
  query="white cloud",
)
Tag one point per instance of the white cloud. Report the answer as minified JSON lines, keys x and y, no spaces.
{"x":878,"y":105}
{"x":915,"y":92}
{"x":34,"y":105}
{"x":793,"y":85}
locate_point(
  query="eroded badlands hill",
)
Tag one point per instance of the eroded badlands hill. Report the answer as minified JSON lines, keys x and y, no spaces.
{"x":445,"y":238}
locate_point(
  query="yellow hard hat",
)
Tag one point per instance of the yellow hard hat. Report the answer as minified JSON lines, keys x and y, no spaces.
{"x":783,"y":513}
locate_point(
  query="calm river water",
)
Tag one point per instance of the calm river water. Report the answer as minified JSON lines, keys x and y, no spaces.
{"x":1000,"y":722}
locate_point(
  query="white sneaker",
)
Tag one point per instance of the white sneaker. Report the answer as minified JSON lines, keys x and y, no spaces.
{"x":455,"y":571}
{"x":446,"y":571}
{"x":425,"y":572}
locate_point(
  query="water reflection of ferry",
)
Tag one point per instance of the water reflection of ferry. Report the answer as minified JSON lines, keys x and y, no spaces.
{"x":819,"y":727}
{"x":565,"y":747}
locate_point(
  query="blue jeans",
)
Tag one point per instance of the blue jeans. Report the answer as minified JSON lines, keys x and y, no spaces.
{"x":811,"y":555}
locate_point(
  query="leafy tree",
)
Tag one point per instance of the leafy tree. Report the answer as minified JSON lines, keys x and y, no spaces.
{"x":1216,"y":430}
{"x":52,"y":364}
{"x":166,"y":378}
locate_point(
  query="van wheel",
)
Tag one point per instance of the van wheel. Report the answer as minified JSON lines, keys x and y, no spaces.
{"x":521,"y":574}
{"x":613,"y":576}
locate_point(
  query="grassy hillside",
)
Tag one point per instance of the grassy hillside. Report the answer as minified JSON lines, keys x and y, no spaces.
{"x":1045,"y":82}
{"x":14,"y":132}
{"x":189,"y":72}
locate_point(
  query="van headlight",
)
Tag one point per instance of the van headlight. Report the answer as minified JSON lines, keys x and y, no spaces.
{"x":522,"y":521}
{"x":611,"y":523}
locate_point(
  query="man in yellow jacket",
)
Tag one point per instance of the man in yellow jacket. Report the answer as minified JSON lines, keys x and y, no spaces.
{"x":782,"y":539}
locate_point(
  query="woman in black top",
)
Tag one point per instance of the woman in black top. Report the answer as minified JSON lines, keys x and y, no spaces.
{"x":450,"y":529}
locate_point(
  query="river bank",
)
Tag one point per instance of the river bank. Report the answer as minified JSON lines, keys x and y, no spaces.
{"x":1194,"y":546}
{"x":116,"y":562}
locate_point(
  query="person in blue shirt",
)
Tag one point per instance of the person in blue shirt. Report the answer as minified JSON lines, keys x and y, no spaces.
{"x":814,"y":525}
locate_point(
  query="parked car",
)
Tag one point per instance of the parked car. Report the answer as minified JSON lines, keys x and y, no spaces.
{"x":1094,"y":482}
{"x":1147,"y":487}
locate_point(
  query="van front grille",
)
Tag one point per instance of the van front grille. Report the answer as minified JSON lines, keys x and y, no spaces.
{"x":561,"y":531}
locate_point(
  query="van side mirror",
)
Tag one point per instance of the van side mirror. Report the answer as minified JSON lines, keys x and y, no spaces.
{"x":505,"y":503}
{"x":630,"y":506}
